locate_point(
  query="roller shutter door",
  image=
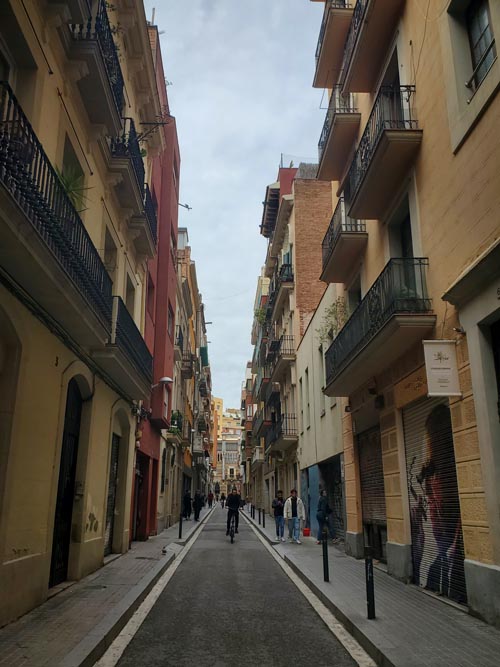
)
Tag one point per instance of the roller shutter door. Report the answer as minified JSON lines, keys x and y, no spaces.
{"x":437,"y":542}
{"x":372,"y":477}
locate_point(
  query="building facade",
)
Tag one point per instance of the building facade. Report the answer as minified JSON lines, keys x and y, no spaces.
{"x":77,"y":227}
{"x":410,"y":145}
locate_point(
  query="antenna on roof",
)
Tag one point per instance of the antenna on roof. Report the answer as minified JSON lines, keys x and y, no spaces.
{"x":153,"y":16}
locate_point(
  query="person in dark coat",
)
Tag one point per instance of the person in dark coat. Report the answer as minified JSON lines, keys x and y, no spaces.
{"x":197,"y":505}
{"x":186,"y":505}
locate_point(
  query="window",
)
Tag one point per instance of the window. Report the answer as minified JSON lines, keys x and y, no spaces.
{"x":470,"y":64}
{"x":151,"y":297}
{"x":163,"y":470}
{"x":170,"y":321}
{"x":130,"y":296}
{"x":308,"y":405}
{"x":481,"y":40}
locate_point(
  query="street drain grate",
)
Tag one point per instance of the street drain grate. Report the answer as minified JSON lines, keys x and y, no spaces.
{"x":145,"y":558}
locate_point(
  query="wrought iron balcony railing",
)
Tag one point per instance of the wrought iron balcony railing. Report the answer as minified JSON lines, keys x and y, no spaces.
{"x":149,"y":210}
{"x":284,"y":427}
{"x":283,"y":275}
{"x":29,"y":177}
{"x":329,"y":4}
{"x":128,"y":338}
{"x":358,"y":16}
{"x":339,"y":223}
{"x":400,"y":288}
{"x":98,"y":28}
{"x":127,"y":145}
{"x":338,"y":104}
{"x":392,"y":110}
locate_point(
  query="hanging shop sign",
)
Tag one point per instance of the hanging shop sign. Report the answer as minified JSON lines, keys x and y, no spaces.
{"x":441,"y":368}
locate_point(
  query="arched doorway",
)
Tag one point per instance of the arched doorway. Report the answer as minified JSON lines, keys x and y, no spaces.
{"x":66,"y":486}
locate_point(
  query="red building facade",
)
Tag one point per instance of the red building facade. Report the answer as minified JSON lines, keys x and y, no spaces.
{"x":160,"y":309}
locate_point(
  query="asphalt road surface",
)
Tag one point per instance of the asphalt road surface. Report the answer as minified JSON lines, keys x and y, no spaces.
{"x":232,"y":604}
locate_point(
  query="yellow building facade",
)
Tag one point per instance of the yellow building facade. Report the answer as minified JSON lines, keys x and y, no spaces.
{"x":410,"y":143}
{"x":77,"y":224}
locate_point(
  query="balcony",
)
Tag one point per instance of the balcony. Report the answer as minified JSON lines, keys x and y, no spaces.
{"x":283,"y":434}
{"x":260,"y":423}
{"x":145,"y":225}
{"x":394,"y":315}
{"x":187,"y":366}
{"x":330,"y":49}
{"x":343,"y":245}
{"x":124,"y":159}
{"x":44,"y":245}
{"x":284,"y":356}
{"x":101,"y":89}
{"x":372,"y":27}
{"x":178,"y":343}
{"x":280,"y":287}
{"x":387,"y":149}
{"x":258,"y":456}
{"x":339,"y":133}
{"x":126,"y":358}
{"x":261,"y":382}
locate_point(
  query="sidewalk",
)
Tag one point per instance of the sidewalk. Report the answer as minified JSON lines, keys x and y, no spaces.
{"x":74,"y":627}
{"x":412,"y":628}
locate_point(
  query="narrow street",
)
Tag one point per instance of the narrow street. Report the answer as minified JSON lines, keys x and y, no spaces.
{"x":232,"y":604}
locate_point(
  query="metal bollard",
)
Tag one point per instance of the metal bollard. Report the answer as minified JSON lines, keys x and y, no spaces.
{"x":324,"y":544}
{"x":180,"y":526}
{"x":263,"y":519}
{"x":259,"y":516}
{"x":370,"y":591}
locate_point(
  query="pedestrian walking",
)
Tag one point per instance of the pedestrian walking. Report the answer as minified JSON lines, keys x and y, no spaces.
{"x":322,"y":513}
{"x":210,"y":499}
{"x":197,"y":505}
{"x":186,"y":505}
{"x":294,"y":512}
{"x":278,"y":506}
{"x":222,"y":499}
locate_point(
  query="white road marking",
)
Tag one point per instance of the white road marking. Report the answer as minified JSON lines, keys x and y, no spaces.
{"x":117,"y":648}
{"x":336,"y":628}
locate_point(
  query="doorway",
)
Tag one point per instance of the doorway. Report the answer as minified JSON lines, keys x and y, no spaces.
{"x":66,"y":486}
{"x":112,"y":491}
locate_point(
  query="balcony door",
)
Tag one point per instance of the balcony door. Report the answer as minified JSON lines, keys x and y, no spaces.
{"x":112,"y":492}
{"x":66,"y":486}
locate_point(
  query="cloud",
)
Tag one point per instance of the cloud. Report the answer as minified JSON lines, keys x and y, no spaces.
{"x":241,"y":93}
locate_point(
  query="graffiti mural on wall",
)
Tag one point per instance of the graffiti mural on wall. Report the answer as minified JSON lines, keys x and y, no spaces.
{"x":436,"y":529}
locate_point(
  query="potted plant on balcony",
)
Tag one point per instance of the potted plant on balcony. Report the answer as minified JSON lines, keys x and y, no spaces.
{"x":334,"y":318}
{"x":72,"y":181}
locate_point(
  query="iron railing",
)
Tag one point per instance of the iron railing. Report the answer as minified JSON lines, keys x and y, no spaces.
{"x":400,"y":288}
{"x":27,"y":174}
{"x":99,"y":29}
{"x":283,"y":275}
{"x":263,"y":375}
{"x":338,"y":104}
{"x":330,"y":4}
{"x":284,"y":427}
{"x":358,"y":16}
{"x":149,"y":210}
{"x":127,"y":145}
{"x":286,"y":346}
{"x":339,"y":223}
{"x":128,"y":338}
{"x":392,"y":110}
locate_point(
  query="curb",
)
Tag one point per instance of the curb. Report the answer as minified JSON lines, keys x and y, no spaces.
{"x":365,"y":642}
{"x":99,"y":639}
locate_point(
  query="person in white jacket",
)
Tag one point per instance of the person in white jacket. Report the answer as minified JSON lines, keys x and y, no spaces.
{"x":294,"y":512}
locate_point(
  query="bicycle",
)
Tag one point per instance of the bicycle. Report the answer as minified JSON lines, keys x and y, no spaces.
{"x":232,"y":524}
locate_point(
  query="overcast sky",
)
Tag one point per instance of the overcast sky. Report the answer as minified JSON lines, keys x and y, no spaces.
{"x":241,"y":74}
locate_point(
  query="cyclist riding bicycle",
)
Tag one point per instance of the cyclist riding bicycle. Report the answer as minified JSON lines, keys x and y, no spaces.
{"x":233,"y":506}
